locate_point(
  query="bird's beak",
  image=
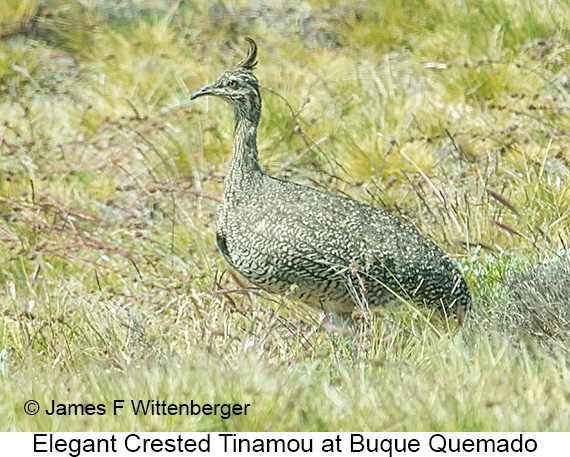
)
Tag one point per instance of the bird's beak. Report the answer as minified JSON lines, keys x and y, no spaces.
{"x":206,"y":90}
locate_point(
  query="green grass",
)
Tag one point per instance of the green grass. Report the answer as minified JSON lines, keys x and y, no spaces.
{"x":453,"y":115}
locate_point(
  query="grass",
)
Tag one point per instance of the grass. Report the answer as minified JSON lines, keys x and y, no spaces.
{"x":451,"y":115}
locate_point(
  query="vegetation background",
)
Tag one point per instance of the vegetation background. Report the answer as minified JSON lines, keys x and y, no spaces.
{"x":454,"y":115}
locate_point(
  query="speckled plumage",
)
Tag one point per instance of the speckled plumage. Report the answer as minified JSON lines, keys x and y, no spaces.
{"x":328,"y":251}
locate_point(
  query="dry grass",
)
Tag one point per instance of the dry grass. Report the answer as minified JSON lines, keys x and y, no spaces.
{"x":454,"y":117}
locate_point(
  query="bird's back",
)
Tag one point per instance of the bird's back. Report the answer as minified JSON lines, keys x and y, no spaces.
{"x":330,"y":251}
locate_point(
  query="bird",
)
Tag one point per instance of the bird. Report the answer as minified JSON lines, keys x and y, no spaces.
{"x":328,"y":251}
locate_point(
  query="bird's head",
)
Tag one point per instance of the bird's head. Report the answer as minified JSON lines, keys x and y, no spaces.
{"x":237,"y":85}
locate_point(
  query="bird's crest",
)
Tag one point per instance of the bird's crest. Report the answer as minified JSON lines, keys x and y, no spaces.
{"x":249,"y":62}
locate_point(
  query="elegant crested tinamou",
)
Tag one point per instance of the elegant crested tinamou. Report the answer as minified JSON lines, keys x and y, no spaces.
{"x":326,"y":250}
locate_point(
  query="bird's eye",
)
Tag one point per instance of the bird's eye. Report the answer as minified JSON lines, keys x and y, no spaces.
{"x":232,"y":84}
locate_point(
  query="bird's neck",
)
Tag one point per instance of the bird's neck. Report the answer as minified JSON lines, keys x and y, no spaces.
{"x":244,"y":166}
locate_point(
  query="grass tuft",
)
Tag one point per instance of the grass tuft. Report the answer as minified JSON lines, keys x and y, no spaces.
{"x":540,"y":297}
